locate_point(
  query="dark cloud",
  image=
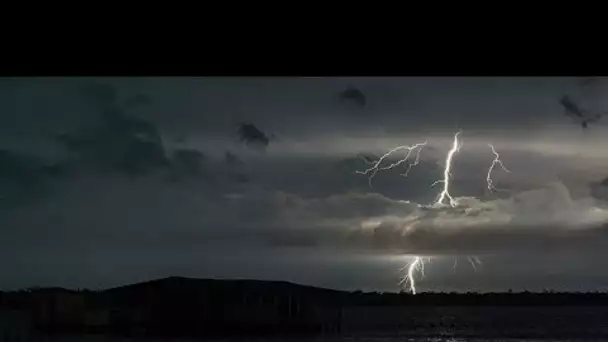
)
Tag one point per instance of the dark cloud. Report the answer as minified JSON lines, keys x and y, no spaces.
{"x":582,"y":116}
{"x":121,"y":142}
{"x":599,"y":189}
{"x":253,"y":136}
{"x":126,"y":143}
{"x":353,"y":95}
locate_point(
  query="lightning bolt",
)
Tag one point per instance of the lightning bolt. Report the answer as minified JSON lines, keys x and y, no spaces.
{"x":416,"y":161}
{"x":376,"y":166}
{"x":446,"y":174}
{"x":417,"y":264}
{"x":495,"y":162}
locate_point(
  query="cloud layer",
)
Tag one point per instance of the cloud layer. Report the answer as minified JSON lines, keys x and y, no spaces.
{"x":531,"y":220}
{"x":160,"y":181}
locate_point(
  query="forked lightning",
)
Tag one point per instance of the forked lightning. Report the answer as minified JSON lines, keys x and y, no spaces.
{"x":417,"y":264}
{"x":495,"y":162}
{"x":445,"y":193}
{"x":377,"y":165}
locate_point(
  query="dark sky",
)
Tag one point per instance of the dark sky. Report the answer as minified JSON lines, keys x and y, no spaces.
{"x":106,"y":181}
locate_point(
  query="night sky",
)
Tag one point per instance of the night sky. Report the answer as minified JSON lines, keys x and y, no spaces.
{"x":108,"y":181}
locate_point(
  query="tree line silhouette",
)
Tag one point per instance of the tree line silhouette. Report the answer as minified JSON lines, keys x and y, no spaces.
{"x":205,"y":307}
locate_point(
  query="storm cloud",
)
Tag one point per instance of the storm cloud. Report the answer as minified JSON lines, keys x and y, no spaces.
{"x":522,"y":223}
{"x":105,"y":181}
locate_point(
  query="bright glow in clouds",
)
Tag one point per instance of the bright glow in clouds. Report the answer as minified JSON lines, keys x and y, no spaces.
{"x":535,"y":221}
{"x":418,"y":263}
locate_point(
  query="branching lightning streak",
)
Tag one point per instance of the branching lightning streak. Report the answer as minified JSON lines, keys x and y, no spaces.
{"x":416,"y":162}
{"x":417,"y":264}
{"x":446,"y":174}
{"x":495,"y":162}
{"x":376,"y":166}
{"x":366,"y":160}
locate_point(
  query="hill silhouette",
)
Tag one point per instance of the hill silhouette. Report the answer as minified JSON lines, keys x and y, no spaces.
{"x":177,"y":306}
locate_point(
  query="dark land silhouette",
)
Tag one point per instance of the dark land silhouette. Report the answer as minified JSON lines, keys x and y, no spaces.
{"x":173,"y":307}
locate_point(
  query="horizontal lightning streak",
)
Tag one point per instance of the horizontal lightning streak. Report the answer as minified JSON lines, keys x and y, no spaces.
{"x":376,"y":166}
